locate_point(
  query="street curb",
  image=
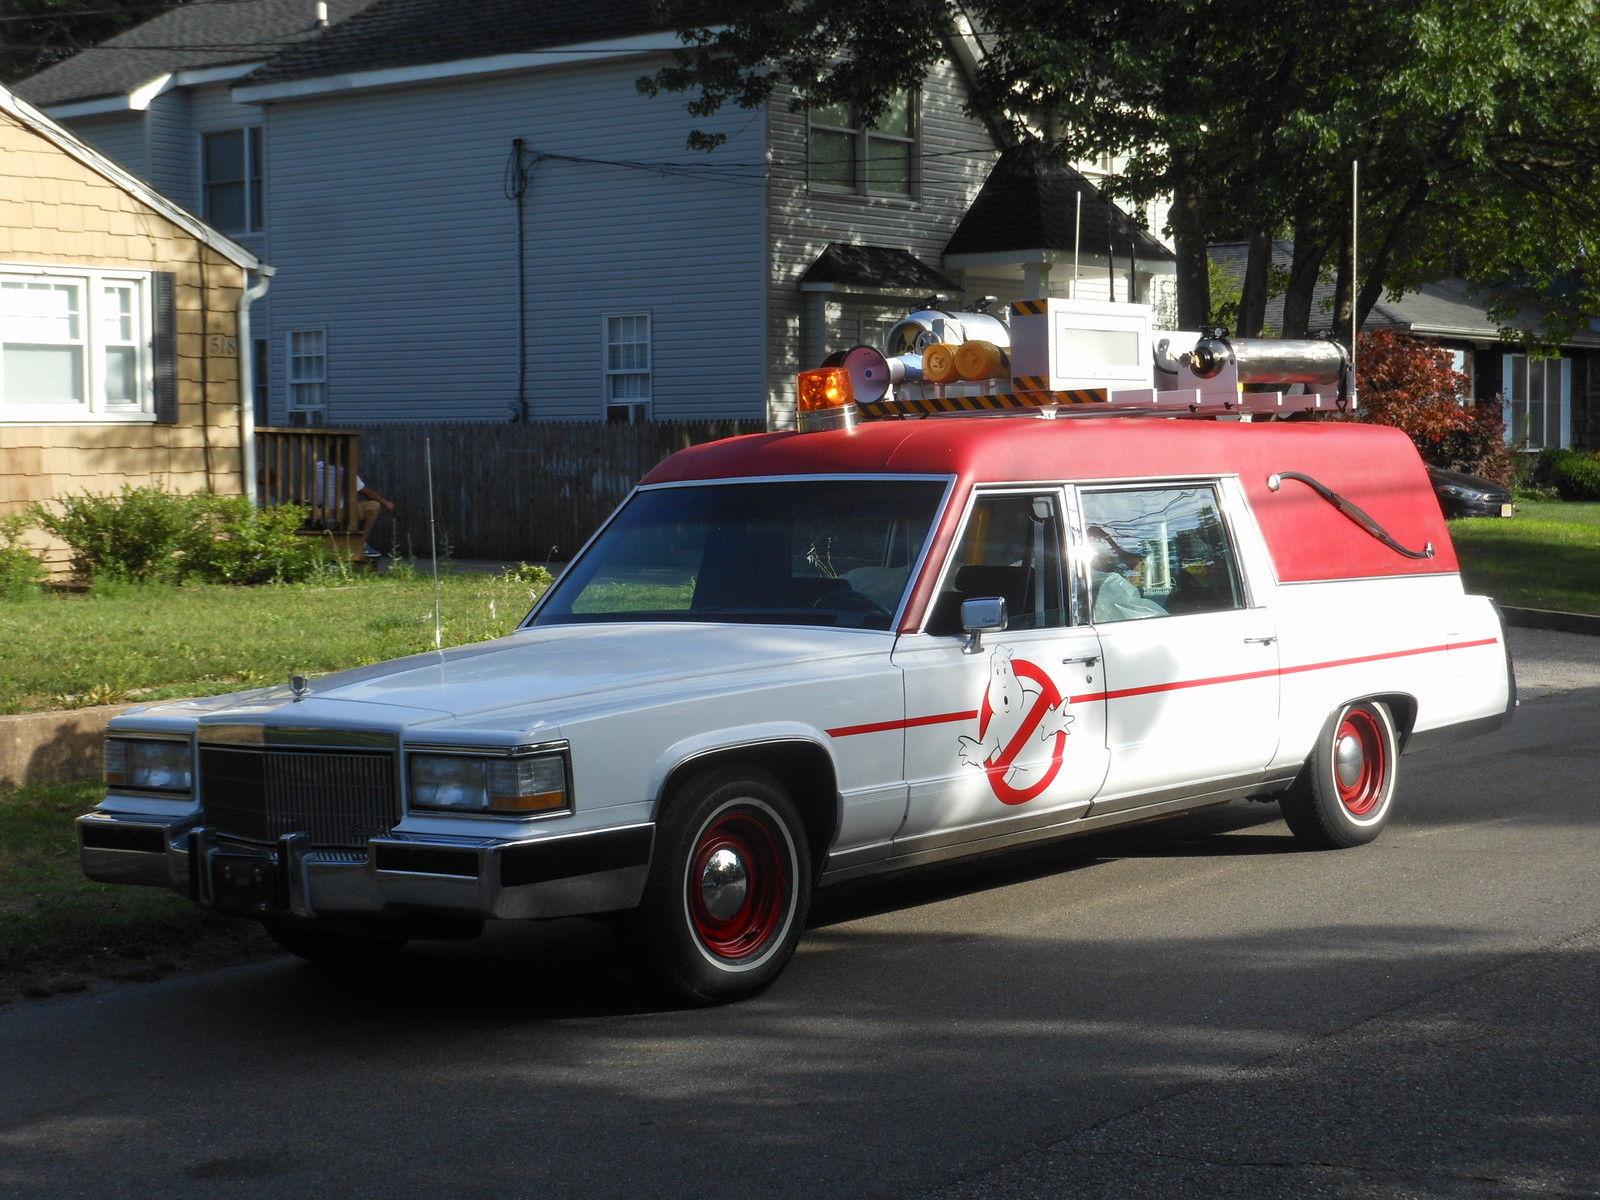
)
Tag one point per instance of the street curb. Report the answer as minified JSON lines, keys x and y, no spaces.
{"x":1544,"y":618}
{"x":60,"y":746}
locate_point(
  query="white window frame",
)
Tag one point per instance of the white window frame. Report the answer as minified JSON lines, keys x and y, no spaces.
{"x":93,"y":409}
{"x":639,"y":407}
{"x":864,"y":137}
{"x":254,"y":213}
{"x":292,"y":378}
{"x":1514,"y":371}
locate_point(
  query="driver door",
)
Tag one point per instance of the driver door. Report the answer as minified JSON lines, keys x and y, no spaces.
{"x":1013,"y":734}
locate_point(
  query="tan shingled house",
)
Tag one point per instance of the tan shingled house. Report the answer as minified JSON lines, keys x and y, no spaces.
{"x":121,"y":317}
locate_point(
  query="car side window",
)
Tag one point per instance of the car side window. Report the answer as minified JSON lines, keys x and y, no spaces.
{"x":1011,"y":548}
{"x":1158,"y":552}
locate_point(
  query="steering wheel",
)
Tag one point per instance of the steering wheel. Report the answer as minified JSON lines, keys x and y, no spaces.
{"x":851,"y":601}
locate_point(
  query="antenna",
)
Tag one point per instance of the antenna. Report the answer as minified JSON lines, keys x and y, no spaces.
{"x":1355,"y":274}
{"x":1077,"y":239}
{"x":433,"y":542}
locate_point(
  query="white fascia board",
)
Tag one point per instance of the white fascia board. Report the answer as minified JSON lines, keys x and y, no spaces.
{"x":141,"y":97}
{"x":31,"y":118}
{"x":463,"y":68}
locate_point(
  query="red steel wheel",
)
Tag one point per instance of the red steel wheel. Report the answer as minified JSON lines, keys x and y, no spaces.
{"x":1360,"y":761}
{"x":1343,"y":795}
{"x":738,"y":884}
{"x":729,"y":886}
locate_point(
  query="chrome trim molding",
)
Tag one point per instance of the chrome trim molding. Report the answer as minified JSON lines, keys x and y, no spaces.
{"x":301,"y":737}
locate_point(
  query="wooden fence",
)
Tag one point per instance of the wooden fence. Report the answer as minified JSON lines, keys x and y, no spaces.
{"x":530,"y":492}
{"x":311,"y":466}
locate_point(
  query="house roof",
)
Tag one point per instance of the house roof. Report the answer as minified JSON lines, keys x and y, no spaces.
{"x":400,"y":33}
{"x":190,"y":37}
{"x":31,"y":118}
{"x":1030,"y":202}
{"x":1447,"y":308}
{"x":879,"y":267}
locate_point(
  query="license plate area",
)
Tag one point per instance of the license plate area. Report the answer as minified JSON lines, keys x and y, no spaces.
{"x":1507,"y":510}
{"x":244,"y":882}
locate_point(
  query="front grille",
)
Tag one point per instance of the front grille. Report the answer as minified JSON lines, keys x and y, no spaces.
{"x":337,"y":797}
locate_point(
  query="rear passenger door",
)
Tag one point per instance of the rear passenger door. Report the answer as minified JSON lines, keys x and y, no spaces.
{"x":1191,"y":664}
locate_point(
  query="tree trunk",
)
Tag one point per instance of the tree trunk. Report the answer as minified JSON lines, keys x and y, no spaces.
{"x":1310,"y":250}
{"x":1253,"y":298}
{"x":1194,"y":266}
{"x":1341,"y":295}
{"x":1381,"y":262}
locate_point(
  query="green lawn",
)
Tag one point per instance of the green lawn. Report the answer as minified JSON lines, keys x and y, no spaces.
{"x":1547,"y":556}
{"x":65,"y":651}
{"x":58,"y":930}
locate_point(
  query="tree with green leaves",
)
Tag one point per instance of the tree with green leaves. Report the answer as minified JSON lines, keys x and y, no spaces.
{"x":35,"y":34}
{"x":1477,"y":122}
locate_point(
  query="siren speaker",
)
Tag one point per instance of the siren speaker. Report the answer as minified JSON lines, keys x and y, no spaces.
{"x":871,"y":376}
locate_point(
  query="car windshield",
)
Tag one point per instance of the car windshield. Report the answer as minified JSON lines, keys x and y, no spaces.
{"x":812,"y":552}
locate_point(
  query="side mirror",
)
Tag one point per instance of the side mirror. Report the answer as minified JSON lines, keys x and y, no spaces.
{"x":986,"y":614}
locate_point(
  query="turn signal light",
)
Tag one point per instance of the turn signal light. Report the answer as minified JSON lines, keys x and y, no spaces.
{"x":826,"y":387}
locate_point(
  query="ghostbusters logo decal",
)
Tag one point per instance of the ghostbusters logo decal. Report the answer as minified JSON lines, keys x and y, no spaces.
{"x":1022,"y":730}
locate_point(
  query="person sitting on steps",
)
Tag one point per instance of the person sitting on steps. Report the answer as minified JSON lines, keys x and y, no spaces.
{"x":327,"y":490}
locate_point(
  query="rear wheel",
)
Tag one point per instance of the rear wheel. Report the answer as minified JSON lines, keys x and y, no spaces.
{"x":330,"y":947}
{"x":1344,"y":792}
{"x":730,"y":884}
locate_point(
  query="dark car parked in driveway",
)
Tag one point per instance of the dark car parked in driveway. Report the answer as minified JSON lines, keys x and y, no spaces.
{"x":1463,"y":495}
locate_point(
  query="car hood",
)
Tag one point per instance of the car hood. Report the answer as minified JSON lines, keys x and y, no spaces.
{"x":535,"y":666}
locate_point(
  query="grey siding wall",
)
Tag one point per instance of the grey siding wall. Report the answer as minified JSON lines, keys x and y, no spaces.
{"x":119,"y":138}
{"x":169,"y":140}
{"x":956,"y":154}
{"x":391,"y":229}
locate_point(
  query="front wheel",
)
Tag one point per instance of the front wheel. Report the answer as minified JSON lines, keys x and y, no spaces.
{"x":729,"y":887}
{"x":1344,"y":792}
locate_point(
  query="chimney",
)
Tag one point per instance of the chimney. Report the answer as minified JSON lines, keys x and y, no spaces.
{"x":322,"y":14}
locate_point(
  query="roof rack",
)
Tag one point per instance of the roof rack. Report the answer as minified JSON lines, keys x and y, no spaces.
{"x":1097,"y":402}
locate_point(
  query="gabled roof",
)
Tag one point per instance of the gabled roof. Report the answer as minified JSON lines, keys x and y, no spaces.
{"x":399,"y":33}
{"x":1446,"y":308}
{"x":190,"y":37}
{"x":1030,"y":202}
{"x":873,"y":267}
{"x":31,"y":118}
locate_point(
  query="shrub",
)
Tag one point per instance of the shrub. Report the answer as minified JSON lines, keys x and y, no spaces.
{"x":531,"y":574}
{"x":227,"y":541}
{"x":20,"y":572}
{"x":1577,"y":476}
{"x":133,"y":535}
{"x":1411,"y":385}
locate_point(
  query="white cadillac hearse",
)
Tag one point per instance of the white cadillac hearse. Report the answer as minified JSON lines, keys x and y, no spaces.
{"x":802,"y":657}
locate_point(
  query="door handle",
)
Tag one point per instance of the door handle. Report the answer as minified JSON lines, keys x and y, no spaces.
{"x":1087,"y":660}
{"x":1260,"y":641}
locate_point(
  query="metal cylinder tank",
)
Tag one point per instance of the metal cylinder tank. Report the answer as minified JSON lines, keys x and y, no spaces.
{"x":925,"y":327}
{"x":1284,"y":361}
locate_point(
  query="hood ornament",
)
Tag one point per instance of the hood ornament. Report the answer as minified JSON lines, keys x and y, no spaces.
{"x":299,"y":686}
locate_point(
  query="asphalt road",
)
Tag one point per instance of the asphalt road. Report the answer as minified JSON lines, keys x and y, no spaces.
{"x":1199,"y":1009}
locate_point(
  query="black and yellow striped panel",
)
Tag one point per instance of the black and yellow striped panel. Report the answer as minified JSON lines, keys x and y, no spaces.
{"x":1030,"y":383}
{"x":1005,"y":401}
{"x":1028,"y":308}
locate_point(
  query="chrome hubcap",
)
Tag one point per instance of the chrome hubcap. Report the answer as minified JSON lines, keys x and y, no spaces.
{"x":1348,"y":760}
{"x":724,"y":884}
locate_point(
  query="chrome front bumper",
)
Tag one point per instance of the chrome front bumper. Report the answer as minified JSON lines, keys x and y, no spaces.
{"x":557,"y":876}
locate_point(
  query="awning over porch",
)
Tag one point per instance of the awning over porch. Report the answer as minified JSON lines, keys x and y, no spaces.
{"x":880,"y":269}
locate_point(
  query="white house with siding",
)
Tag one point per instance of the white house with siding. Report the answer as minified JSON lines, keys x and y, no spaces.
{"x":474,"y":213}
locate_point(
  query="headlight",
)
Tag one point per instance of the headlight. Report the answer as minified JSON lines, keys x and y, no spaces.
{"x":511,"y":787}
{"x":1460,"y":493}
{"x":150,"y":765}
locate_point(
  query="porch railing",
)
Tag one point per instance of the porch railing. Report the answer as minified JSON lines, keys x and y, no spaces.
{"x":313,"y":467}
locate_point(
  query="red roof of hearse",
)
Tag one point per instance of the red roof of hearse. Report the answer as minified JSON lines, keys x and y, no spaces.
{"x":1376,"y":468}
